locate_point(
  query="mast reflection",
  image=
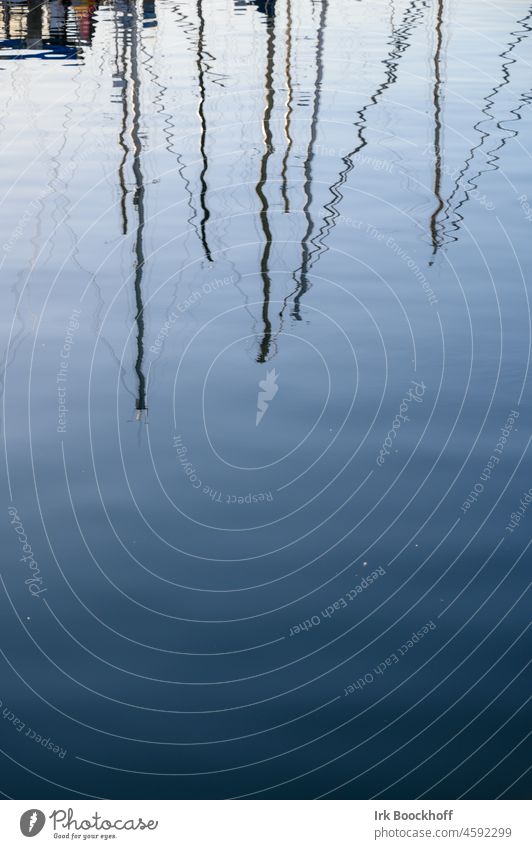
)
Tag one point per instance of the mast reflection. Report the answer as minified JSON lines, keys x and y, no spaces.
{"x":264,"y":345}
{"x":452,"y":218}
{"x":436,"y":99}
{"x":400,"y":42}
{"x":303,"y":284}
{"x":203,"y":129}
{"x":128,"y":80}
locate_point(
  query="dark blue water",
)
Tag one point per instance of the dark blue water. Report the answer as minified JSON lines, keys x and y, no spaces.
{"x":265,"y":399}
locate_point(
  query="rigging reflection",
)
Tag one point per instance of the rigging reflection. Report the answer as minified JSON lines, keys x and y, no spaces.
{"x":128,"y":80}
{"x":265,"y":343}
{"x":452,"y":219}
{"x":436,"y":100}
{"x":203,"y":129}
{"x":399,"y":42}
{"x":303,"y":283}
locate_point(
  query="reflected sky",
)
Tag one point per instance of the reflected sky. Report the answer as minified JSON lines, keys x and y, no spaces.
{"x":265,"y":332}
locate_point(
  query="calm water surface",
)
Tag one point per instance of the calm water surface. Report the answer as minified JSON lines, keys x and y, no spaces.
{"x":265,"y":398}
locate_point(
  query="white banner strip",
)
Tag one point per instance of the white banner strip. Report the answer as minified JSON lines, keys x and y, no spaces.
{"x":266,"y":824}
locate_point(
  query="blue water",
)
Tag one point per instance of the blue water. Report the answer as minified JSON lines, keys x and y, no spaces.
{"x":265,"y":398}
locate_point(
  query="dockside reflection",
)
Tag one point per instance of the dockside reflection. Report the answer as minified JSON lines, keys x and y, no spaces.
{"x":51,"y":29}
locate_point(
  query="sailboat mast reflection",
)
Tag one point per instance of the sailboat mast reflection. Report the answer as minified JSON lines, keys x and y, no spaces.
{"x":451,"y":221}
{"x":289,"y":107}
{"x":265,"y":343}
{"x":139,"y":204}
{"x":203,"y":129}
{"x":399,"y":42}
{"x":307,"y":168}
{"x":131,"y":84}
{"x":120,"y":81}
{"x":436,"y":99}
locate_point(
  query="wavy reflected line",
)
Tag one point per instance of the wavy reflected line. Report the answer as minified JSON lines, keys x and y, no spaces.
{"x":450,"y":223}
{"x":120,"y":79}
{"x":400,"y":42}
{"x":139,"y":203}
{"x":265,"y":342}
{"x":168,"y":127}
{"x":190,"y":30}
{"x":303,"y":284}
{"x":200,"y":58}
{"x":195,"y":35}
{"x":289,"y":107}
{"x":437,"y":104}
{"x":129,"y":78}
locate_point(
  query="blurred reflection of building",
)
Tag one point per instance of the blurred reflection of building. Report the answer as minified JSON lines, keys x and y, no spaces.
{"x":46,"y":26}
